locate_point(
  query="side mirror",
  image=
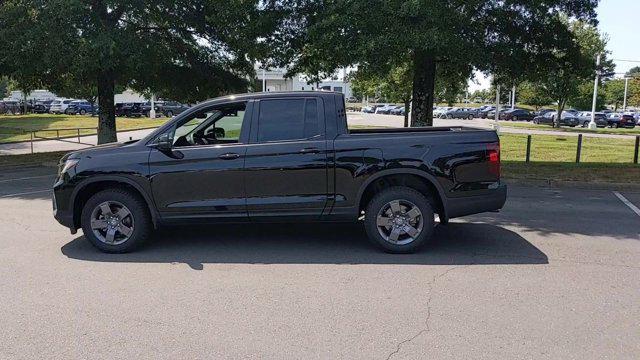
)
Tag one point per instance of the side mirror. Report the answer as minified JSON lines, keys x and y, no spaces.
{"x":163,"y":142}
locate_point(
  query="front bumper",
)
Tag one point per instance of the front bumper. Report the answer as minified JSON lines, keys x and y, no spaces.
{"x":61,"y":211}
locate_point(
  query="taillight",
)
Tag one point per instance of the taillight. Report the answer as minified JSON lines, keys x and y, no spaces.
{"x":493,"y":156}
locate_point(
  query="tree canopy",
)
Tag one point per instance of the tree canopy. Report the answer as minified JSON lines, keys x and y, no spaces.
{"x":185,"y":50}
{"x":456,"y":36}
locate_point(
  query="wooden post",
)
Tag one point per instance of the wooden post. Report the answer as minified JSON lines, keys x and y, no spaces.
{"x":78,"y":135}
{"x":579,"y":150}
{"x":635,"y":153}
{"x":528,"y":157}
{"x":31,"y":133}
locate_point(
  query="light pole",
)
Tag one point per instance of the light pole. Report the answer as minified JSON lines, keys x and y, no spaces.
{"x":513,"y":97}
{"x":626,"y":87}
{"x":152,"y":112}
{"x":264,"y":80}
{"x":496,"y":124}
{"x":592,"y":123}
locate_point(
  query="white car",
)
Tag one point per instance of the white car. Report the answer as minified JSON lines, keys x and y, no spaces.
{"x":439,"y":111}
{"x":59,"y":106}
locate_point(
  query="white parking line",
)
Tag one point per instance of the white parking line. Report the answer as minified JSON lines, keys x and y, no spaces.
{"x":27,"y":178}
{"x":627,"y":202}
{"x":24,"y":193}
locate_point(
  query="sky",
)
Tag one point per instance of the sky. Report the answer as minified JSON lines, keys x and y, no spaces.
{"x":617,"y":19}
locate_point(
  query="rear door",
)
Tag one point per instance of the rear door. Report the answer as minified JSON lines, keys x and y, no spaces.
{"x":286,"y":163}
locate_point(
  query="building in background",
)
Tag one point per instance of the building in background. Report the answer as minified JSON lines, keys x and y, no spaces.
{"x":275,"y":80}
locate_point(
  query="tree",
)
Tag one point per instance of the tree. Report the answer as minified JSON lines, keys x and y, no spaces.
{"x":634,"y":72}
{"x":457,"y":35}
{"x":582,"y":98}
{"x":614,"y":90}
{"x":188,"y":50}
{"x":534,"y":95}
{"x":563,"y":72}
{"x":394,"y":86}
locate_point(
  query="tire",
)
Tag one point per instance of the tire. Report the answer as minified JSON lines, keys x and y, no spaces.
{"x":406,"y":200}
{"x":449,"y":117}
{"x":136,"y":219}
{"x":83,"y":111}
{"x":169,"y":114}
{"x":515,"y":118}
{"x":536,"y":122}
{"x":470,"y":117}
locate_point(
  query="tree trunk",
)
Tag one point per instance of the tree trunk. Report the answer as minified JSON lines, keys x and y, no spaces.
{"x":407,"y":107}
{"x":107,"y":112}
{"x":424,"y":77}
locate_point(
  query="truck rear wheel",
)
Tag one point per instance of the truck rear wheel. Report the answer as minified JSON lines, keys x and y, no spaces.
{"x":399,"y":220}
{"x":115,"y":221}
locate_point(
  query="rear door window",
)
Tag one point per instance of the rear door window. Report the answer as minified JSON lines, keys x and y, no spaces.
{"x":287,"y":119}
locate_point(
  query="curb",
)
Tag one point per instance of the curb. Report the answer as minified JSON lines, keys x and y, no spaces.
{"x":569,"y":184}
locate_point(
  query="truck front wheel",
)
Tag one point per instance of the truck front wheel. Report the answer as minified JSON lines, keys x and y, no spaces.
{"x":115,"y":221}
{"x":399,"y":220}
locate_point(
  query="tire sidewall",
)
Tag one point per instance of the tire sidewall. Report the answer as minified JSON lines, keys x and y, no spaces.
{"x":399,"y":193}
{"x":139,"y":212}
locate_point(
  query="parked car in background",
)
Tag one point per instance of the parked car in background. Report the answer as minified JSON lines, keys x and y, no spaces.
{"x":459,"y":113}
{"x":439,"y":111}
{"x":59,"y":106}
{"x":370,"y":109}
{"x":399,"y":110}
{"x":384,"y":109}
{"x":584,"y":118}
{"x":542,"y":112}
{"x":42,"y":107}
{"x":10,"y":107}
{"x":492,"y":113}
{"x":157,"y":105}
{"x":517,"y":114}
{"x":567,"y":119}
{"x":129,"y":109}
{"x":81,"y":107}
{"x":617,"y":120}
{"x":171,"y":108}
{"x":483,"y":111}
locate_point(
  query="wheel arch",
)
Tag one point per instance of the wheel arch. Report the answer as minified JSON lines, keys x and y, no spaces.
{"x":89,"y":187}
{"x":419,"y":180}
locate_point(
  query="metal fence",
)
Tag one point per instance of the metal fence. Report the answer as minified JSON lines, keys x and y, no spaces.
{"x":61,"y":134}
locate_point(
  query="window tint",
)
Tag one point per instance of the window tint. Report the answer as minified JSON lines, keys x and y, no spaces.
{"x":287,"y":119}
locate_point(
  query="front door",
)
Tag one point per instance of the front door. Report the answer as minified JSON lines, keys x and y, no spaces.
{"x":202,"y":177}
{"x":286,"y":163}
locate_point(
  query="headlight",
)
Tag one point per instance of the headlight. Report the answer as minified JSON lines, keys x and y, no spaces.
{"x":68,"y":165}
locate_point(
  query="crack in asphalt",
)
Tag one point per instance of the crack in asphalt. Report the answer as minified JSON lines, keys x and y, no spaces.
{"x":426,"y":329}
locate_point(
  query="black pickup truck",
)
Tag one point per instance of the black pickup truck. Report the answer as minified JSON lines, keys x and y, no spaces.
{"x":279,"y":157}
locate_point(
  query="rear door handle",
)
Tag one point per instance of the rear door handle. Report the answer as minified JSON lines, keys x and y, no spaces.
{"x":229,"y":156}
{"x":311,"y":150}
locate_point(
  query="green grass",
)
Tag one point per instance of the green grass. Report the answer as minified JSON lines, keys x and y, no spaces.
{"x":38,"y":159}
{"x":550,"y":148}
{"x":12,"y":127}
{"x":566,"y":171}
{"x":531,"y":126}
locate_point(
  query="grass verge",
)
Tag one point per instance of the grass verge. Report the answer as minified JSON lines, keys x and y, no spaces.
{"x":12,"y":127}
{"x":531,"y":126}
{"x":562,"y":171}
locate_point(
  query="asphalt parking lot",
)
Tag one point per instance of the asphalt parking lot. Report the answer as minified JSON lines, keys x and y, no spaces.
{"x":555,"y":275}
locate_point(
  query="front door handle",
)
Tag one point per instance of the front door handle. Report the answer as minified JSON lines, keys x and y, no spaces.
{"x":229,"y":156}
{"x":310,"y":150}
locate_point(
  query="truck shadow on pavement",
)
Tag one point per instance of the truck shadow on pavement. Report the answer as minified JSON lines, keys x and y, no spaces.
{"x":455,"y":244}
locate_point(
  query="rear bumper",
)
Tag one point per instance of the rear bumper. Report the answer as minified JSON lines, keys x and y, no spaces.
{"x":468,"y":205}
